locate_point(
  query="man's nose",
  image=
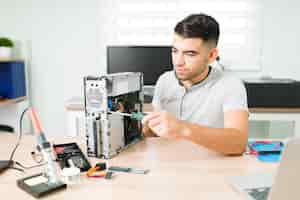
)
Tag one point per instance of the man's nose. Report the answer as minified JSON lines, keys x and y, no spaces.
{"x":178,"y":59}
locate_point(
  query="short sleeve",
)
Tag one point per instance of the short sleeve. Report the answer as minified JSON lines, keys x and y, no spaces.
{"x":235,"y":97}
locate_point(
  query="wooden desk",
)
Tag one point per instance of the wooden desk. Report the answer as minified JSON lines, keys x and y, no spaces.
{"x":178,"y":170}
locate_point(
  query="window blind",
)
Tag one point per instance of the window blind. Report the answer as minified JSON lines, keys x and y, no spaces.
{"x":141,"y":22}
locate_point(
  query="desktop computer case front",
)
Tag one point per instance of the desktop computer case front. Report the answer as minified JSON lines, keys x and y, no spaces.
{"x":108,"y":134}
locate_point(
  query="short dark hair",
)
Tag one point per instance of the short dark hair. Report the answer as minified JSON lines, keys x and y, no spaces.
{"x":199,"y":26}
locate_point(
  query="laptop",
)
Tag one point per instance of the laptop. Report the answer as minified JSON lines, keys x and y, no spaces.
{"x":282,"y":185}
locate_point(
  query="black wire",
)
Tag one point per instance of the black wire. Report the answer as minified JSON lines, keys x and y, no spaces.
{"x":220,"y":63}
{"x":20,"y":134}
{"x":29,"y":167}
{"x":16,"y":168}
{"x":17,"y":145}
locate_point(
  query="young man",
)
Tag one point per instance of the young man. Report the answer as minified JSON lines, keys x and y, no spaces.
{"x":197,"y":102}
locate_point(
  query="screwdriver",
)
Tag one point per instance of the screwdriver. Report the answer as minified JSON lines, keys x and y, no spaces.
{"x":133,"y":115}
{"x":128,"y":170}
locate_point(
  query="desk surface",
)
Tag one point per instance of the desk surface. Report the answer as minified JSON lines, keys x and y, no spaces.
{"x":178,"y":170}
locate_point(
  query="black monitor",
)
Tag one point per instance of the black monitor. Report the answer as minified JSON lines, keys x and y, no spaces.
{"x":151,"y":60}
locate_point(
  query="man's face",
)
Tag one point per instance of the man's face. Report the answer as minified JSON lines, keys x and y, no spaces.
{"x":191,"y":57}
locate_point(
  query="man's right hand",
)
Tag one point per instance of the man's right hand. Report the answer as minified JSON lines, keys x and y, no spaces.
{"x":147,"y":132}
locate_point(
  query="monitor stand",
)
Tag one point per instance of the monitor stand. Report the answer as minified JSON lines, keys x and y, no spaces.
{"x":148,"y":93}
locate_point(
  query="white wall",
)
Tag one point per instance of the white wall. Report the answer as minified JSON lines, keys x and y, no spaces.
{"x":63,"y":39}
{"x":67,"y":42}
{"x":281,"y":42}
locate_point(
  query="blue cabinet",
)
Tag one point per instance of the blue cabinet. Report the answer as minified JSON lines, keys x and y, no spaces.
{"x":12,"y":79}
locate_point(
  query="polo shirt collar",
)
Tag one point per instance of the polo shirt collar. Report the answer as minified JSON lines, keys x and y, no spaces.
{"x":197,"y":84}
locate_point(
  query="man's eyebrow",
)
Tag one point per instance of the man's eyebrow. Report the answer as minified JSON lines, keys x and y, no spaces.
{"x":187,"y":51}
{"x":191,"y":51}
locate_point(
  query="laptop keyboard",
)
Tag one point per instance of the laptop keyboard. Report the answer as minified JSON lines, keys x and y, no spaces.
{"x":259,"y":193}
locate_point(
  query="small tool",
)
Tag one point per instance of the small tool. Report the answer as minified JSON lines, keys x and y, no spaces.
{"x":97,"y":171}
{"x":108,"y":175}
{"x":133,"y":115}
{"x":128,"y":170}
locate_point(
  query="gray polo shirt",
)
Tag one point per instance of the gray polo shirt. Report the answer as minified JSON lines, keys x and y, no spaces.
{"x":205,"y":102}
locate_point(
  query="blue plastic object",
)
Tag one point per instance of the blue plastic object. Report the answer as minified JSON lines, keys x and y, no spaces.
{"x":270,"y":157}
{"x":12,"y":79}
{"x":266,"y":151}
{"x":110,"y":104}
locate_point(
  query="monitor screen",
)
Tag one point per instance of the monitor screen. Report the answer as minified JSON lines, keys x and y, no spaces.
{"x":151,"y":60}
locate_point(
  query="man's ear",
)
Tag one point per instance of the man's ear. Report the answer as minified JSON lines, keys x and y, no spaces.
{"x":213,"y":54}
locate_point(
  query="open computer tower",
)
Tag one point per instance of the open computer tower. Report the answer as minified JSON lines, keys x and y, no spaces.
{"x":109,"y":133}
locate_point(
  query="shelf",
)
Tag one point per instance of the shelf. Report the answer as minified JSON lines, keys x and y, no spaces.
{"x":12,"y":101}
{"x":11,"y":60}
